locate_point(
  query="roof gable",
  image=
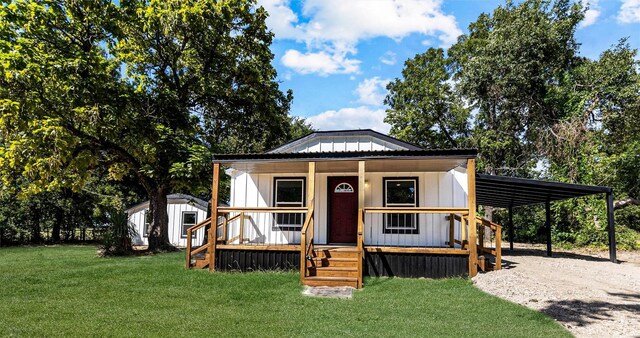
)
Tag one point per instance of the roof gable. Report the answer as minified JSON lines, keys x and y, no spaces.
{"x":343,"y":140}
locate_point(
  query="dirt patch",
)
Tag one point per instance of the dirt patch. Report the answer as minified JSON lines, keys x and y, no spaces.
{"x":582,"y":290}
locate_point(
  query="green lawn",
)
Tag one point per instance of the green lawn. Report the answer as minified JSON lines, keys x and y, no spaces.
{"x":68,"y":291}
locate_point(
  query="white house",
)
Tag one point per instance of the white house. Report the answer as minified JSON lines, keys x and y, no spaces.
{"x":184,"y":212}
{"x":339,"y":205}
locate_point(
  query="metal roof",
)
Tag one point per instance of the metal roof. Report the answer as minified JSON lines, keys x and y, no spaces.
{"x":338,"y":133}
{"x":504,"y":192}
{"x":347,"y":155}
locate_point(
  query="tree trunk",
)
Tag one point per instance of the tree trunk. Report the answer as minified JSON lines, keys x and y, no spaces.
{"x":159,"y":232}
{"x":35,"y":230}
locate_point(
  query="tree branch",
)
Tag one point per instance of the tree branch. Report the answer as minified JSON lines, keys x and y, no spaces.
{"x":625,"y":203}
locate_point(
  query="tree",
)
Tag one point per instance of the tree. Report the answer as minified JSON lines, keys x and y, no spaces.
{"x":506,"y":67}
{"x":147,"y":89}
{"x":424,"y":107}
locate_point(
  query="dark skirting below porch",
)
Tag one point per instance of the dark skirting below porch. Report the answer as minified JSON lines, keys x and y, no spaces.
{"x":256,"y":260}
{"x":415,"y":265}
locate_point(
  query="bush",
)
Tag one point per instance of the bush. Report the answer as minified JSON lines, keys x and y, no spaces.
{"x":117,"y":239}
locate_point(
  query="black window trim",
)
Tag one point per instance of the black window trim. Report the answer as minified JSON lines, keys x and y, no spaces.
{"x":145,"y":225}
{"x":274,"y":202}
{"x":183,"y":231}
{"x":415,"y":231}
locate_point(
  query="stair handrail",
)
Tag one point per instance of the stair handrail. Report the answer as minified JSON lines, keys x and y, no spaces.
{"x":482,"y":223}
{"x":306,"y":243}
{"x":190,"y":231}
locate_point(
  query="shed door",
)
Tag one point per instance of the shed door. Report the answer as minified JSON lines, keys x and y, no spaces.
{"x":343,"y":209}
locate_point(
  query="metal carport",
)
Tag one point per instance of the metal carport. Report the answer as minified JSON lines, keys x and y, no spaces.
{"x":509,"y":192}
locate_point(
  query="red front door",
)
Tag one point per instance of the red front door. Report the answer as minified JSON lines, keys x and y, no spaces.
{"x":343,"y":209}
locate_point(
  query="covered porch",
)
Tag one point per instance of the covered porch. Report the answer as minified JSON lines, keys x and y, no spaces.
{"x":405,"y":209}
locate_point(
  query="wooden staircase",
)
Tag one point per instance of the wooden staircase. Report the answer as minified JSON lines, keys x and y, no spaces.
{"x":332,"y":266}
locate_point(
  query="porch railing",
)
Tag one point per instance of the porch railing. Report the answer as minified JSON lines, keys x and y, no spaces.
{"x":261,"y":225}
{"x":489,"y":236}
{"x":413,"y":227}
{"x":306,"y":244}
{"x":192,"y":252}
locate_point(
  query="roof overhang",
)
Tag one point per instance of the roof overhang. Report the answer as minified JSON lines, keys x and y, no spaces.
{"x":376,"y":161}
{"x":505,"y":192}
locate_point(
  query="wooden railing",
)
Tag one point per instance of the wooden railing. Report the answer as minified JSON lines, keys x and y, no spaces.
{"x":496,"y":231}
{"x":306,"y":244}
{"x":190,"y":231}
{"x":263,"y":226}
{"x":449,"y":211}
{"x":482,"y":224}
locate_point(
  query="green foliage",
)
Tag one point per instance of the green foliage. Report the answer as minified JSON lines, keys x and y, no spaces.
{"x":117,"y":240}
{"x":142,"y":89}
{"x":536,"y":105}
{"x":424,"y":107}
{"x":45,"y":292}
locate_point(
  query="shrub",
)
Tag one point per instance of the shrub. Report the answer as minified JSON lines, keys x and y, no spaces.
{"x":117,"y":239}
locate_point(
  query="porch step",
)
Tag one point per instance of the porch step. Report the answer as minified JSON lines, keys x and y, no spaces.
{"x":332,"y":261}
{"x":485,"y":264}
{"x":333,"y":266}
{"x":341,"y":252}
{"x":200,"y":262}
{"x":334,"y":271}
{"x":331,"y":281}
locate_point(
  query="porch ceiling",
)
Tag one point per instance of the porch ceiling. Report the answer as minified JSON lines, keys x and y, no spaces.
{"x":348,"y":165}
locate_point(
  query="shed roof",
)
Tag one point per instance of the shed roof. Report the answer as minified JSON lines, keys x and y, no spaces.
{"x":504,"y":191}
{"x":176,"y":198}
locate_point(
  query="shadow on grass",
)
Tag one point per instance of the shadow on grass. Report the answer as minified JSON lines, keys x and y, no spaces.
{"x":582,"y":313}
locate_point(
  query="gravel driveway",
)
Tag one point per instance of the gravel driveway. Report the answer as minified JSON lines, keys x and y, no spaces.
{"x":583,"y":291}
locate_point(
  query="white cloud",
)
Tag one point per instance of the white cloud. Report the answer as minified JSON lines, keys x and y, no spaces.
{"x":322,"y":63}
{"x":335,"y":26}
{"x":592,"y":14}
{"x":389,"y":58}
{"x":629,"y":11}
{"x":351,"y":118}
{"x":372,"y":91}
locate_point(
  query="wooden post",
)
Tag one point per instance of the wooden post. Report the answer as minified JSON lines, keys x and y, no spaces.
{"x":452,"y":240}
{"x":213,"y":228}
{"x":463,"y":230}
{"x":188,"y":263}
{"x":224,"y":230}
{"x":311,"y":191}
{"x":473,"y":252}
{"x":480,"y":235}
{"x":498,"y":248}
{"x":611,"y":227}
{"x":241,"y":231}
{"x":547,"y":207}
{"x":360,"y":239}
{"x":510,"y":228}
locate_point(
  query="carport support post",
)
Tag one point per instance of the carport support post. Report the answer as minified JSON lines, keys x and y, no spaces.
{"x":547,"y":206}
{"x":611,"y":227}
{"x":510,"y":228}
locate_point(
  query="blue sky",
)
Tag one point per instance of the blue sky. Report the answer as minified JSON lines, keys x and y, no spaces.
{"x":338,"y":55}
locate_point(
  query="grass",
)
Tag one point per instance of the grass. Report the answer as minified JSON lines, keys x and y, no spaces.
{"x":68,"y":291}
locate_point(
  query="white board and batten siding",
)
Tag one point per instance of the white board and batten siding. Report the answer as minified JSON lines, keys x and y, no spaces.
{"x":345,"y":143}
{"x":435,"y":189}
{"x":175,"y":210}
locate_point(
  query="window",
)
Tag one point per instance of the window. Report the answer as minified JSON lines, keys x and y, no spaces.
{"x":189,"y":219}
{"x":400,"y":192}
{"x":289,"y":192}
{"x":343,"y":187}
{"x":148,"y":217}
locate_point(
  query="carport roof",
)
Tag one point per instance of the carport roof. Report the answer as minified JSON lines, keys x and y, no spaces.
{"x":505,"y":192}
